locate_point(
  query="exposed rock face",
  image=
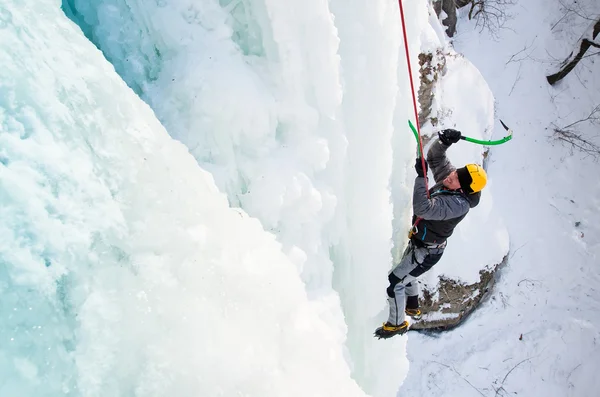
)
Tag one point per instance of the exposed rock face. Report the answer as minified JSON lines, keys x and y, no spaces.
{"x":449,"y":7}
{"x":431,"y":68}
{"x":453,"y":302}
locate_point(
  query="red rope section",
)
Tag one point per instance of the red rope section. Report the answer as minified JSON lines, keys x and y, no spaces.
{"x":414,"y":99}
{"x":412,"y":90}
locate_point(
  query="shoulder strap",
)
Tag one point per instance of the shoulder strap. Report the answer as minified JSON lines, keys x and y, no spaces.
{"x":449,"y":192}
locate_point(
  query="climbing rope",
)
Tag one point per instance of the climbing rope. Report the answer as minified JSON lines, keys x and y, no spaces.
{"x":414,"y":98}
{"x":413,"y":229}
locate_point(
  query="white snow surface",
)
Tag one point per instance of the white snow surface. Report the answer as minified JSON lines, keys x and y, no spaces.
{"x":538,"y":333}
{"x":232,"y":235}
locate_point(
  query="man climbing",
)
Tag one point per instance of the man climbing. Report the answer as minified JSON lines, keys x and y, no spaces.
{"x":434,"y":220}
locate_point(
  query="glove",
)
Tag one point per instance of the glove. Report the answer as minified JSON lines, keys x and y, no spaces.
{"x":419,"y":167}
{"x":449,"y":136}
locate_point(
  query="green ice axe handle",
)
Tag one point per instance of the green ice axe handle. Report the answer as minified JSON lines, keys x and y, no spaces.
{"x":416,"y":134}
{"x":472,"y":140}
{"x":498,"y":142}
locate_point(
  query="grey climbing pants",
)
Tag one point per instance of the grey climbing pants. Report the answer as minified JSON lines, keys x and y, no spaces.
{"x":416,"y":260}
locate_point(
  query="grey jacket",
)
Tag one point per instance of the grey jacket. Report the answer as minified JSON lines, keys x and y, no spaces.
{"x":445,"y":208}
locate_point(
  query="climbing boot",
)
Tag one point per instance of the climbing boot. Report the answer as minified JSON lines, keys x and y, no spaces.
{"x":415,"y":314}
{"x":388,"y":330}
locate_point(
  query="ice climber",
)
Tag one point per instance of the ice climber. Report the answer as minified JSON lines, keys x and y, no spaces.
{"x":434,"y":219}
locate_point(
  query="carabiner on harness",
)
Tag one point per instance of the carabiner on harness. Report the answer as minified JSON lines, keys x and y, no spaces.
{"x":412,"y":231}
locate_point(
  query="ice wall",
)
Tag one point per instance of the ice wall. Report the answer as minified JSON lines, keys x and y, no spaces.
{"x":123,"y":271}
{"x":291,"y":108}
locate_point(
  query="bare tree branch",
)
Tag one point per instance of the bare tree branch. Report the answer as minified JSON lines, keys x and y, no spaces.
{"x":489,"y":14}
{"x":560,"y":20}
{"x":573,"y":138}
{"x":575,"y":141}
{"x":585,"y":44}
{"x":459,"y":374}
{"x":517,"y":79}
{"x":593,"y":117}
{"x":528,"y":54}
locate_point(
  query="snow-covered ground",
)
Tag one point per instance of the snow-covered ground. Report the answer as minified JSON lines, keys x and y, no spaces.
{"x":252,"y":259}
{"x":538,"y":334}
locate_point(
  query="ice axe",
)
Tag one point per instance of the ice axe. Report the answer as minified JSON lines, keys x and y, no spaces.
{"x":473,"y":140}
{"x":498,"y":142}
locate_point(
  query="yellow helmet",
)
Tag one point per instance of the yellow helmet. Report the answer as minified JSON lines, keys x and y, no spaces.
{"x":472,"y":178}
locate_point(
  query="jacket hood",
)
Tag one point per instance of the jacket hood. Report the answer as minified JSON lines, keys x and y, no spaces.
{"x":473,"y":199}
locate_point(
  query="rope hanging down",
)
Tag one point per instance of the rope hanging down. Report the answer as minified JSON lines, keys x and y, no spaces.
{"x":414,"y":98}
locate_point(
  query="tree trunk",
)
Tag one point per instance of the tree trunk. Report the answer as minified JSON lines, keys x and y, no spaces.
{"x":584,"y":45}
{"x":449,"y":7}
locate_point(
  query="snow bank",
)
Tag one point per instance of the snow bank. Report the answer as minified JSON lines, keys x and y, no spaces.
{"x":538,"y":332}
